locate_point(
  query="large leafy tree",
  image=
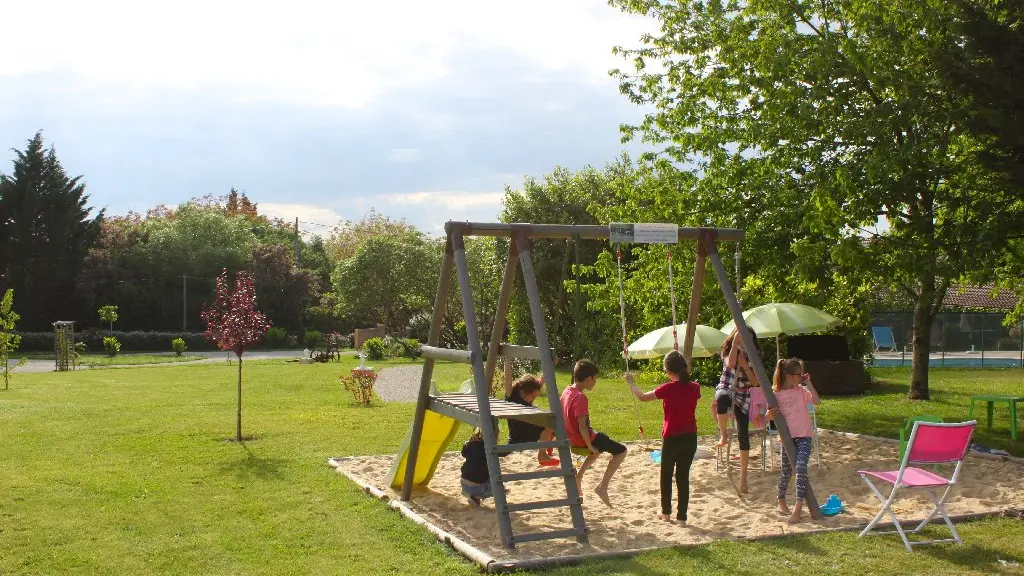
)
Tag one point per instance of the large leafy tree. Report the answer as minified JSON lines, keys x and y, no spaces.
{"x":286,"y":289}
{"x":235,"y":323}
{"x":388,"y":281}
{"x":46,"y":226}
{"x":833,"y":114}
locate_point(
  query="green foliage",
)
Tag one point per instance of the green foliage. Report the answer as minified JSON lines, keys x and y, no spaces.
{"x":388,"y":280}
{"x":312,"y":339}
{"x":375,"y":349}
{"x":135,"y":341}
{"x":805,"y":123}
{"x":9,"y":340}
{"x":111,"y":346}
{"x":108,"y":314}
{"x":411,"y":348}
{"x":46,"y":227}
{"x":179,"y":346}
{"x":276,"y":337}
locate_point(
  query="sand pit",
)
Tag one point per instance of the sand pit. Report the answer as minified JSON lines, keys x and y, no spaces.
{"x":717,"y":510}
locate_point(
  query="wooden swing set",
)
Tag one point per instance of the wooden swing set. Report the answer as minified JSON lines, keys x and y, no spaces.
{"x":481,"y":410}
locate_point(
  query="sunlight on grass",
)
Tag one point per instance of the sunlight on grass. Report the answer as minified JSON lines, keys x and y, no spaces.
{"x":129,"y":472}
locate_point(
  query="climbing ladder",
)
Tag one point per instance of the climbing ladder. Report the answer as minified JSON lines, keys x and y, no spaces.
{"x":479,"y":409}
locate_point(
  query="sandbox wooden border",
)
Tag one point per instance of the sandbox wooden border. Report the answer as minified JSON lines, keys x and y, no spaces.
{"x":491,"y":565}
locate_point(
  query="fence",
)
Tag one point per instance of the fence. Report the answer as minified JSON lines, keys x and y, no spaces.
{"x":957,"y":339}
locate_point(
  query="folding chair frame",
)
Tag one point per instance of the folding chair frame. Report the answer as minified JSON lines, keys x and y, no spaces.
{"x":939,"y":503}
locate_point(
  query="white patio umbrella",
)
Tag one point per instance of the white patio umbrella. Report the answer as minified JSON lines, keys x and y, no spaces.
{"x":706,"y":342}
{"x":776,"y":318}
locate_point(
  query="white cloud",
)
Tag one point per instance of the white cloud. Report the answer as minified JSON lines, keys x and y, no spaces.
{"x":448,"y":199}
{"x":313,"y":219}
{"x":309,"y":51}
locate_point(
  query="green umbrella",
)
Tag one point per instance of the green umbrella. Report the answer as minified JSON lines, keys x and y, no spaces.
{"x":770,"y":320}
{"x":776,"y":318}
{"x":706,"y":342}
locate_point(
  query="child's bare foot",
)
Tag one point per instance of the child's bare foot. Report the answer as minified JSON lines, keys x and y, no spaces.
{"x":783,"y":509}
{"x":602,"y":493}
{"x":743,"y":487}
{"x":795,"y":518}
{"x":665,"y":517}
{"x":722,"y":442}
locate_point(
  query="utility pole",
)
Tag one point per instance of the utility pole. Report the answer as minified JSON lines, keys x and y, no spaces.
{"x":184,"y":305}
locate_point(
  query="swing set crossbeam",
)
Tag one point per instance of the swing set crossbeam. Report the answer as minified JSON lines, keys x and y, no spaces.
{"x":582,"y":231}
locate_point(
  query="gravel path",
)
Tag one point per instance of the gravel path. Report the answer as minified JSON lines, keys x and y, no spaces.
{"x":399,"y":383}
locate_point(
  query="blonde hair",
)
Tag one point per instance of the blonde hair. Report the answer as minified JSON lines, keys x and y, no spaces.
{"x":786,"y":366}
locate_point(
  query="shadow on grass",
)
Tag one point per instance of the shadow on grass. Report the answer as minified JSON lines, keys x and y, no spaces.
{"x":251,"y":466}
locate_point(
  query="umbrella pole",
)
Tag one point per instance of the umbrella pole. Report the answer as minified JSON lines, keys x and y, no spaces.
{"x":778,"y":350}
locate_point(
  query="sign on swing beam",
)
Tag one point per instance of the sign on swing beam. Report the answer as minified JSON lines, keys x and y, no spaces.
{"x":624,"y":233}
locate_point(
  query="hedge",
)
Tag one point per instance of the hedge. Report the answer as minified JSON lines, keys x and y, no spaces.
{"x":130,"y":341}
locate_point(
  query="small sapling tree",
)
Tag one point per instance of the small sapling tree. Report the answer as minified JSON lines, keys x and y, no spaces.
{"x":108,"y":314}
{"x":9,"y":341}
{"x":234,"y":323}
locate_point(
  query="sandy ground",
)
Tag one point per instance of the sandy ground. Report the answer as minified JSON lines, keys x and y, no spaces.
{"x":716,"y":510}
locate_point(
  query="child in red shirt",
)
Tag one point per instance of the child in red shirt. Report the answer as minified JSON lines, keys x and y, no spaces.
{"x":679,"y":431}
{"x":576,"y":412}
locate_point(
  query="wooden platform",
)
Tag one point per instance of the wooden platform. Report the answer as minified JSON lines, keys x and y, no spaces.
{"x":464,"y":407}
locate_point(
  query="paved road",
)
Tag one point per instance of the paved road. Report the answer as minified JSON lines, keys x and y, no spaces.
{"x":48,"y":365}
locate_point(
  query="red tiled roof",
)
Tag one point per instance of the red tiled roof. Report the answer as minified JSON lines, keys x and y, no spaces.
{"x":978,"y":297}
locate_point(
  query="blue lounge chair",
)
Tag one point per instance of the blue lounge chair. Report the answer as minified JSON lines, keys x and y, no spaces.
{"x":883,"y":338}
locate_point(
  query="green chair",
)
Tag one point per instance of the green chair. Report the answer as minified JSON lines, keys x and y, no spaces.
{"x":909,"y":426}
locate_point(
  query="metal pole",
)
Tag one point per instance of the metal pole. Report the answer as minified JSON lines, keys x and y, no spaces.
{"x":755,"y":359}
{"x":550,"y":387}
{"x":942,"y":327}
{"x":691,"y":316}
{"x":982,"y":340}
{"x":184,"y":305}
{"x":428,"y":371}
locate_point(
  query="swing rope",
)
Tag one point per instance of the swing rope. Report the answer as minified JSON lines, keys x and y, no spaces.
{"x":625,"y":343}
{"x":672,"y":295}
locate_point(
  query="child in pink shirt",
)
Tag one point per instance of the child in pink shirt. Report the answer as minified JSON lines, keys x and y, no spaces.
{"x":793,"y":392}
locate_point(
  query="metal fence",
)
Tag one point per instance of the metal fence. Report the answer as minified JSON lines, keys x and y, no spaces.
{"x":958,"y":339}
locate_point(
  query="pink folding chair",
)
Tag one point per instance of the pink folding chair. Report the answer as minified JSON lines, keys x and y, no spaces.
{"x":930,"y":443}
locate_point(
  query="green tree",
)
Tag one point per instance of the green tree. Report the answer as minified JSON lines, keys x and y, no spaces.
{"x":46,"y":228}
{"x":346,"y":239}
{"x":108,"y":314}
{"x":9,"y":340}
{"x":832,"y":112}
{"x":388,"y":280}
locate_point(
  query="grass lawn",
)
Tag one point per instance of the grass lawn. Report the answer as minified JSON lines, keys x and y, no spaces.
{"x":128,"y":472}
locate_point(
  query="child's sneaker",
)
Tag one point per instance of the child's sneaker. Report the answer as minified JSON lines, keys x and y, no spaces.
{"x":473,"y":501}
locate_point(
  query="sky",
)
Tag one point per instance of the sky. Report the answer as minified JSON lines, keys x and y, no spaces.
{"x":317,"y":110}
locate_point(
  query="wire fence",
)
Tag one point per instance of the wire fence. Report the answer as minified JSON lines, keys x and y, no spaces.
{"x":957,"y":339}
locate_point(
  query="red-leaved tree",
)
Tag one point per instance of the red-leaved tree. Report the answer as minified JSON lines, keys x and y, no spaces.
{"x":234,"y":323}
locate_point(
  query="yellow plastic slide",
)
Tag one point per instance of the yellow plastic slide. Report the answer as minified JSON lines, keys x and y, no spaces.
{"x":438,"y":431}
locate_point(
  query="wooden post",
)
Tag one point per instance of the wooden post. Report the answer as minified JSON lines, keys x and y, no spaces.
{"x":550,"y":386}
{"x":691,"y":317}
{"x":483,"y":391}
{"x":428,"y":371}
{"x":501,"y":314}
{"x":755,"y":359}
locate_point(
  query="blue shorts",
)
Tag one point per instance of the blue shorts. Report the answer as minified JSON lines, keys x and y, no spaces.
{"x":480,"y":491}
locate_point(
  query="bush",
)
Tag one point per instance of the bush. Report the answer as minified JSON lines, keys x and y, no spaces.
{"x":311,"y":338}
{"x":276,"y":337}
{"x":360,"y":385}
{"x":179,"y":346}
{"x":111,"y":346}
{"x":411,"y":348}
{"x":375,"y":349}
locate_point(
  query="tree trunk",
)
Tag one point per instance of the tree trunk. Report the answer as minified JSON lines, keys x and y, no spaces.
{"x":923,"y":314}
{"x":238,"y":423}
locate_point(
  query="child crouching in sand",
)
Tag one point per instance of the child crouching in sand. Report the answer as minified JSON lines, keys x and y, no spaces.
{"x":576,"y":412}
{"x":793,"y":392}
{"x":679,"y":399}
{"x":476,"y":478}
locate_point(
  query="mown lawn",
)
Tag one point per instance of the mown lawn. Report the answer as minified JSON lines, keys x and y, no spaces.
{"x":128,"y":472}
{"x":119,"y":360}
